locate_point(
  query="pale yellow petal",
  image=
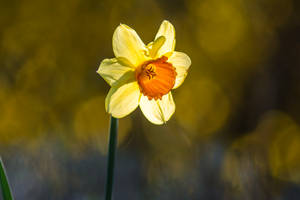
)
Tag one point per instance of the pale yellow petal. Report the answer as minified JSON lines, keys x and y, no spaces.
{"x":158,"y":111}
{"x":123,"y":97}
{"x":111,"y":70}
{"x":181,"y":62}
{"x":127,"y":44}
{"x":155,"y":46}
{"x":167,"y":30}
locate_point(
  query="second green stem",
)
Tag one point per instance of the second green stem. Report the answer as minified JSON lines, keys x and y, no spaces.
{"x":113,"y":138}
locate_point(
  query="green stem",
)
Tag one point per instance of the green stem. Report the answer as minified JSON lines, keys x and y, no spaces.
{"x":113,"y":135}
{"x":4,"y":183}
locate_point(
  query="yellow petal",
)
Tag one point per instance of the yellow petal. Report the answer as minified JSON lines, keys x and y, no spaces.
{"x":181,"y":62}
{"x":123,"y":97}
{"x":167,"y":30}
{"x":111,"y":70}
{"x":127,"y":44}
{"x":155,"y":46}
{"x":158,"y":111}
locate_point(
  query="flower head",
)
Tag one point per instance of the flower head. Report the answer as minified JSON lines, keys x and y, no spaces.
{"x":144,"y":75}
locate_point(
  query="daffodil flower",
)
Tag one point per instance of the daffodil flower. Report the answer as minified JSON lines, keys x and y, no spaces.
{"x":144,"y":76}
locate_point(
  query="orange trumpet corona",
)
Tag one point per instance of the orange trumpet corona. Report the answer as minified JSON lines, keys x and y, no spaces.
{"x":156,"y":78}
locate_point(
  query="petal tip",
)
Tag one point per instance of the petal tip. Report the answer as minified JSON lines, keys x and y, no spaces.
{"x":98,"y":71}
{"x":166,"y":21}
{"x":124,"y":26}
{"x":189,"y":59}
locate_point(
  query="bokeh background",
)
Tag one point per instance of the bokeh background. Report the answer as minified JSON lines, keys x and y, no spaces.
{"x":236,"y":130}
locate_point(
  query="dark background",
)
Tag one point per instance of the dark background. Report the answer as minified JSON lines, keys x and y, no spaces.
{"x":235,"y":133}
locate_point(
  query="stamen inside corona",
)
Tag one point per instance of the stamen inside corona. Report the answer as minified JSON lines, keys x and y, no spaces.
{"x":156,"y":78}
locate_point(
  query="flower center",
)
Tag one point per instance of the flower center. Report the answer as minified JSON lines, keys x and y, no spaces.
{"x":156,"y":77}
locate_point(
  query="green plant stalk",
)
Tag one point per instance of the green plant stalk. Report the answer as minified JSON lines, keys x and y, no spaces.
{"x":4,"y":183}
{"x":113,"y":136}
